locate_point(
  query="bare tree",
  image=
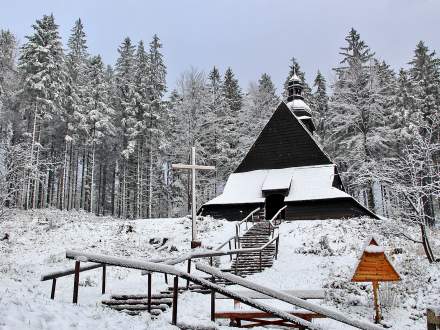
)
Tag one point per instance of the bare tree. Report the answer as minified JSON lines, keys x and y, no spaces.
{"x":414,"y":179}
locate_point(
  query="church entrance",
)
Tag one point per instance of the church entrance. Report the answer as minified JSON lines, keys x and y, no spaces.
{"x":273,"y":203}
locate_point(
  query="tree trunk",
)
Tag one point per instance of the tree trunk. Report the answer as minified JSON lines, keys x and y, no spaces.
{"x":83,"y":176}
{"x":31,"y":161}
{"x":114,"y":189}
{"x":103,"y":190}
{"x":92,"y":179}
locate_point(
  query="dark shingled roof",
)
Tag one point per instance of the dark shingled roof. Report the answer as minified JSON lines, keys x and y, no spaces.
{"x":284,"y":142}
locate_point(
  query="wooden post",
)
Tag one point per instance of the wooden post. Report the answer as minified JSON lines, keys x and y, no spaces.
{"x":230,"y":248}
{"x":213,"y":303}
{"x":432,"y":320}
{"x":175,"y":293}
{"x":149,"y":292}
{"x":236,"y":263}
{"x":103,"y":278}
{"x":52,"y":292}
{"x":377,"y":317}
{"x":261,"y":268}
{"x":166,"y":278}
{"x":276,"y":246}
{"x":76,"y":282}
{"x":189,"y":271}
{"x":210,"y":261}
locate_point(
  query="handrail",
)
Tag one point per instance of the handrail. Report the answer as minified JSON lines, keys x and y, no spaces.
{"x":245,"y":220}
{"x":272,"y":221}
{"x":66,"y":272}
{"x":221,"y":246}
{"x":287,"y":298}
{"x":167,"y":269}
{"x":194,"y":255}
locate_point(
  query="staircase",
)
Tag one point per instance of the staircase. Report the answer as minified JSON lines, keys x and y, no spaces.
{"x":243,"y":264}
{"x":135,"y":304}
{"x":250,"y":263}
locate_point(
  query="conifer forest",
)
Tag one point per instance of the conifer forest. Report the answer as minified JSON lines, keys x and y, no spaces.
{"x":78,"y":133}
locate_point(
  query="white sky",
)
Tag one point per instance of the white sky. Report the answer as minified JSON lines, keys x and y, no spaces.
{"x":251,"y":36}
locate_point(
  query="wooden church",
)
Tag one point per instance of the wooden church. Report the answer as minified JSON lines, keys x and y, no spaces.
{"x":286,"y":166}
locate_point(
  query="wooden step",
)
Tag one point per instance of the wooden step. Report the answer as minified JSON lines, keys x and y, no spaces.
{"x":162,"y":301}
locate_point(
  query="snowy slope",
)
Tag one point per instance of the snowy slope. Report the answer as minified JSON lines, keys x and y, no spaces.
{"x":313,"y":255}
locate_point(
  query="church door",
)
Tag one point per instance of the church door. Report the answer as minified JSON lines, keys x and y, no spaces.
{"x":273,"y":204}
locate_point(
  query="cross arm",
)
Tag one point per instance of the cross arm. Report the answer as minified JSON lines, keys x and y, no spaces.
{"x":190,"y":167}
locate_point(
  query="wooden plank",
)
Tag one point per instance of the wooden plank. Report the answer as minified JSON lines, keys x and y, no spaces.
{"x":69,"y":271}
{"x":303,"y":294}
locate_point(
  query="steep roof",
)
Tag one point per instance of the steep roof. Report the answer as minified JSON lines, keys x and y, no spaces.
{"x":283,"y":143}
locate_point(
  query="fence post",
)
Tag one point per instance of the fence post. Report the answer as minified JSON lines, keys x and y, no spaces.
{"x":149,"y":292}
{"x":213,"y":302}
{"x":261,"y":267}
{"x":189,"y":271}
{"x":54,"y":284}
{"x":230,"y":256}
{"x":166,"y":278}
{"x":236,"y":263}
{"x":103,"y":278}
{"x":432,"y":320}
{"x":76,"y":282}
{"x":276,"y":246}
{"x":175,"y":293}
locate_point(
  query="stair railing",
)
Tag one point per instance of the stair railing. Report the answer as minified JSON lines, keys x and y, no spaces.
{"x":150,"y":268}
{"x":245,"y":221}
{"x":272,"y":222}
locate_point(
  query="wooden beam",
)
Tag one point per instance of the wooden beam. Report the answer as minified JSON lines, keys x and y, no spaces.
{"x":175,"y":294}
{"x":76,"y":282}
{"x":104,"y":268}
{"x":52,"y":292}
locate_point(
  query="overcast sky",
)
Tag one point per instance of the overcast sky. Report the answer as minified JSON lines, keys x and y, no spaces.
{"x":251,"y":36}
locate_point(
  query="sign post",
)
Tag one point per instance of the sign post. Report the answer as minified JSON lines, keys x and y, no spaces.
{"x":374,"y":266}
{"x":193,"y":167}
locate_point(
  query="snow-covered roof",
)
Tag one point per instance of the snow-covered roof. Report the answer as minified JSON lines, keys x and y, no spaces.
{"x":277,"y":179}
{"x":304,"y":183}
{"x":298,"y":104}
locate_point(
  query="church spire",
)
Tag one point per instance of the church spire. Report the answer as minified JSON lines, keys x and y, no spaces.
{"x":295,"y":88}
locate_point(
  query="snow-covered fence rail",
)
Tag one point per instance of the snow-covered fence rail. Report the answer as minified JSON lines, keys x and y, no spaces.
{"x":274,"y":218}
{"x":245,"y":221}
{"x":152,"y":267}
{"x":210,"y":254}
{"x":288,"y":298}
{"x":54,"y":275}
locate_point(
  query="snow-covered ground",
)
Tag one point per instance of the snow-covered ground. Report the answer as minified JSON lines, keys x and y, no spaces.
{"x":313,"y":255}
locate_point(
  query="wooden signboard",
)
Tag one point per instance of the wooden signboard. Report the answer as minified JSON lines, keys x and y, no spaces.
{"x":375,"y":267}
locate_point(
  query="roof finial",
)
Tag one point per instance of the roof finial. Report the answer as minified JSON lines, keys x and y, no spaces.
{"x":295,"y":76}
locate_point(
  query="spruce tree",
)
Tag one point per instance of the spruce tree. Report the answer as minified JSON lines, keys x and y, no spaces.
{"x":355,"y":115}
{"x":319,"y":108}
{"x":125,"y":114}
{"x":425,"y":79}
{"x":260,"y":103}
{"x":76,"y":115}
{"x":44,"y":79}
{"x":156,"y":123}
{"x":8,"y":78}
{"x":100,"y":117}
{"x":229,"y":124}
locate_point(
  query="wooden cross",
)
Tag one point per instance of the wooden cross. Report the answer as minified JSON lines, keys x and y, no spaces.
{"x":193,"y":167}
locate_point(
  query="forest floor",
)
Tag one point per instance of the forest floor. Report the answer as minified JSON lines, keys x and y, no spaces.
{"x":313,"y":255}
